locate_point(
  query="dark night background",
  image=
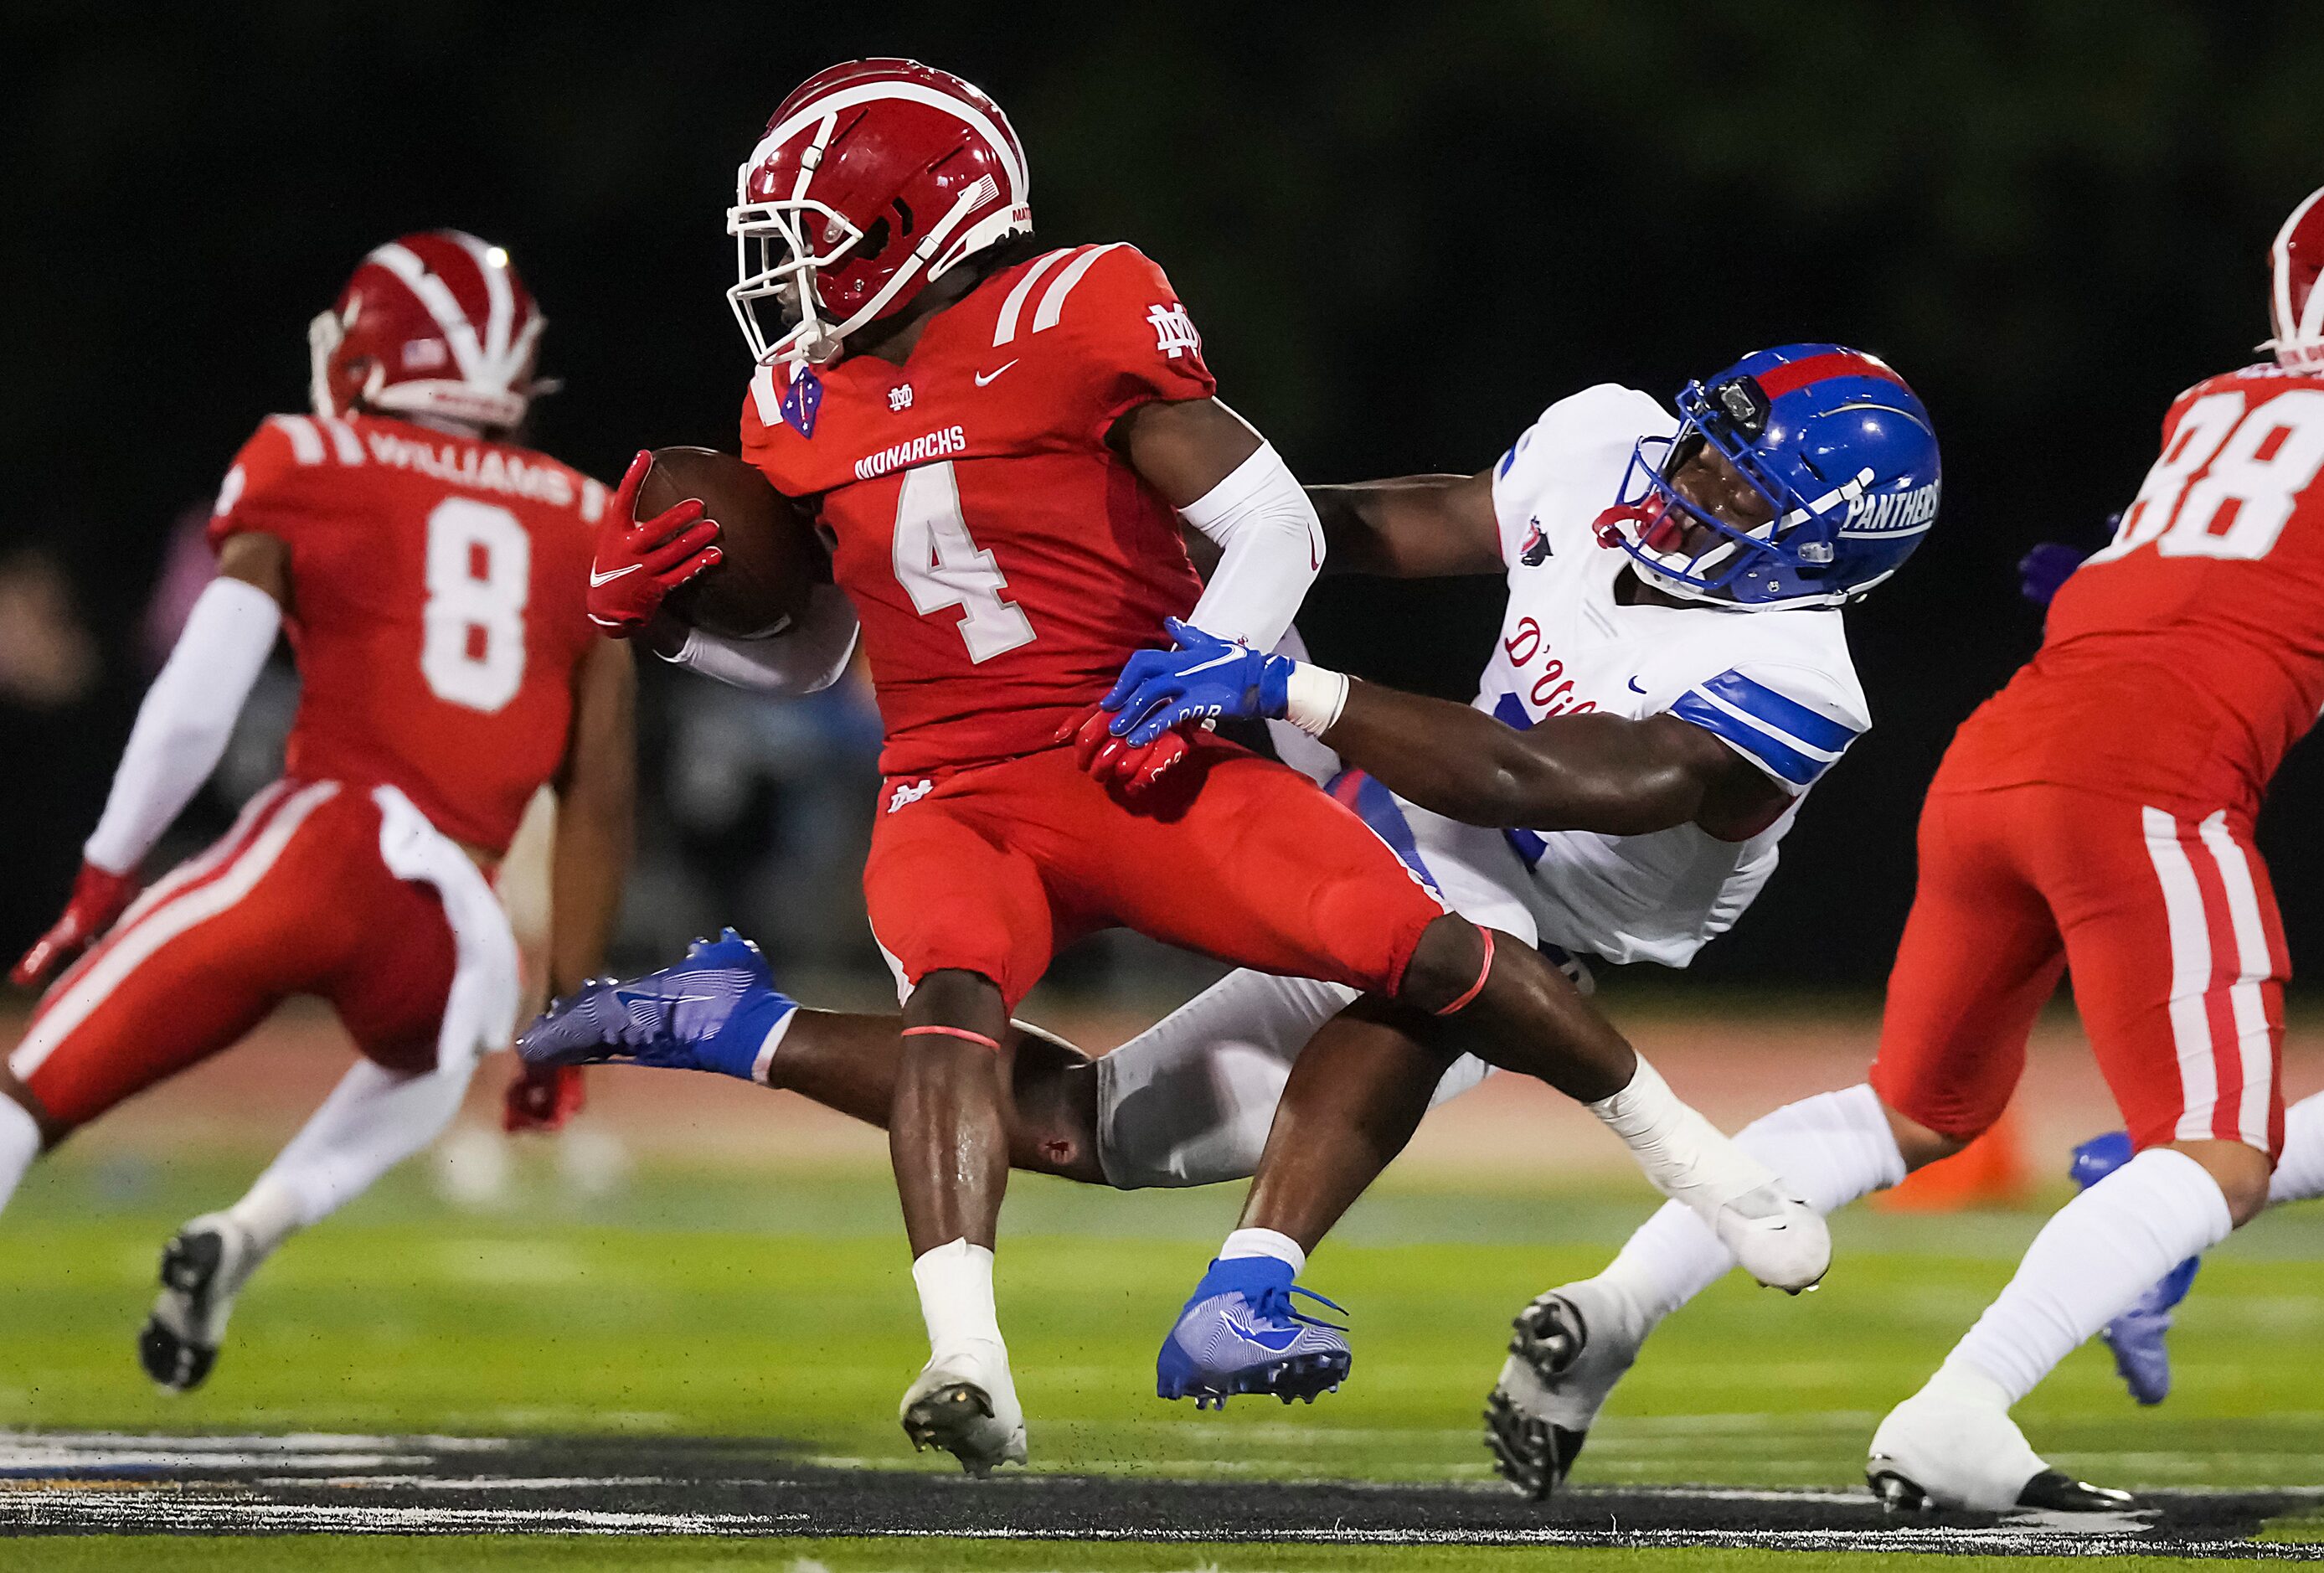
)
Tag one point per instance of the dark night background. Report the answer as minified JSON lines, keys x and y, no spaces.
{"x":1402,"y":229}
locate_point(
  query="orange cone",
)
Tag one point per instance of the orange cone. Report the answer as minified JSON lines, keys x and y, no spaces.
{"x":1989,"y":1173}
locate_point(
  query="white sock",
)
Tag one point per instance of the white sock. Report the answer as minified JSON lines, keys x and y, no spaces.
{"x":955,"y":1285}
{"x":373,"y":1120}
{"x":2300,"y":1172}
{"x":269,"y":1213}
{"x":1830,"y":1149}
{"x":1686,"y":1157}
{"x":2100,"y":1252}
{"x":1265,"y":1242}
{"x":20,"y":1144}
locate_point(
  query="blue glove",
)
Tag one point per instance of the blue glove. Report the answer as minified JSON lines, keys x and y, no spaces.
{"x":2043,"y":570}
{"x":1204,"y":679}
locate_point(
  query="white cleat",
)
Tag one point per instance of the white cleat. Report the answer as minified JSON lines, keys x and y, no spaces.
{"x":203,"y":1267}
{"x":1776,"y":1237}
{"x":964,"y":1402}
{"x":1571,"y":1347}
{"x":1952,"y":1444}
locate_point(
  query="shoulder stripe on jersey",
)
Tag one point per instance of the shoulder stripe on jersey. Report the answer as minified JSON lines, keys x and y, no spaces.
{"x":1053,"y":302}
{"x":306,"y":442}
{"x":1508,"y":460}
{"x":1762,"y":703}
{"x":1789,"y":763}
{"x":344,"y":441}
{"x":1005,"y":329}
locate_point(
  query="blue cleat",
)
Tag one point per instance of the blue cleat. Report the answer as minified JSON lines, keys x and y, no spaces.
{"x":1239,"y":1334}
{"x":2140,"y":1357}
{"x":711,"y":1011}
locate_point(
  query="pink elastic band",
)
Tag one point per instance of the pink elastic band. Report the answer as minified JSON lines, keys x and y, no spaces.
{"x":992,"y":1043}
{"x":1478,"y":987}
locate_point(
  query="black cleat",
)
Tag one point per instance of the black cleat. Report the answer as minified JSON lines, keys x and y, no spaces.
{"x":2052,"y":1491}
{"x":1529,"y":1453}
{"x":203,"y":1266}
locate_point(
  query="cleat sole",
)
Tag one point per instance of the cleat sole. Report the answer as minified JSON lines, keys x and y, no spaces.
{"x":944,"y":1419}
{"x":1303,"y":1376}
{"x":1898,"y":1495}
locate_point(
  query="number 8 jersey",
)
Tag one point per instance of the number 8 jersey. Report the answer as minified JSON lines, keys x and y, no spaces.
{"x":2184,"y":659}
{"x":1003,"y":560}
{"x":436,"y":588}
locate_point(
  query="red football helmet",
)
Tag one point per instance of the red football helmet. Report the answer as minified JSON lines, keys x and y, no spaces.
{"x":874,"y":179}
{"x":2295,"y":305}
{"x":434,"y":324}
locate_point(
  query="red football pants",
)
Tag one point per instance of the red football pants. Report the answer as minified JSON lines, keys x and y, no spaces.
{"x":294,"y":899}
{"x":992,"y":870}
{"x":2168,"y":924}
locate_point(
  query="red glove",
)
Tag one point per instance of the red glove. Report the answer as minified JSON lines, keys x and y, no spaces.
{"x":542,"y":1097}
{"x":640,"y":561}
{"x":97,"y":899}
{"x":1115,"y":762}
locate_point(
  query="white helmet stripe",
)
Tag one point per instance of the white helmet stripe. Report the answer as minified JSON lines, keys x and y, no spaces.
{"x":502,"y":320}
{"x":442,"y":305}
{"x":2305,"y":324}
{"x":830,"y":104}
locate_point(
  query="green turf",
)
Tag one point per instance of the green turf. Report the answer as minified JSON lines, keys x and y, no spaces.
{"x":578,"y":1554}
{"x":772,"y":1304}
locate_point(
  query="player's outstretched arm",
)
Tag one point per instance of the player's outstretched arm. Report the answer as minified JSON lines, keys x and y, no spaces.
{"x":1606,"y":773}
{"x":596,"y":819}
{"x":597,"y":813}
{"x":182,"y":729}
{"x":1411,"y":527}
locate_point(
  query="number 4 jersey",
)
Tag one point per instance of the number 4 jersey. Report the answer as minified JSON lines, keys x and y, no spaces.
{"x":1003,"y":560}
{"x":2183,"y":661}
{"x":436,"y":588}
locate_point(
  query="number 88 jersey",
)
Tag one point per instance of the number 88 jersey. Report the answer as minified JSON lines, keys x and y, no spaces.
{"x":2185,"y":658}
{"x":1003,"y":560}
{"x":437,"y":608}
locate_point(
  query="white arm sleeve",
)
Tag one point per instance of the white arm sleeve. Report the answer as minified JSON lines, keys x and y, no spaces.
{"x":1272,"y":547}
{"x":807,"y":656}
{"x":188,"y":715}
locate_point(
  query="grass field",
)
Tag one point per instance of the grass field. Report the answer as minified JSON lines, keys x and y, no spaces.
{"x":774,"y":1303}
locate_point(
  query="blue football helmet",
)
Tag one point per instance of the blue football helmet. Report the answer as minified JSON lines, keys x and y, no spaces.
{"x":1835,"y":441}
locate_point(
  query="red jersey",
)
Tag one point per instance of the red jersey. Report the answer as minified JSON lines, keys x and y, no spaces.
{"x":1003,"y":560}
{"x":436,"y":607}
{"x":2181,"y":661}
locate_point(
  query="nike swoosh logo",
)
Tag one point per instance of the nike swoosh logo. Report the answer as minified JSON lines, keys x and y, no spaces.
{"x":985,"y":377}
{"x":596,"y":578}
{"x":1635,"y":688}
{"x":1278,"y":1341}
{"x":1229,"y":659}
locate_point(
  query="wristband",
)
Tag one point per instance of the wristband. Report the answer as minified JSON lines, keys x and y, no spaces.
{"x":1313,"y":697}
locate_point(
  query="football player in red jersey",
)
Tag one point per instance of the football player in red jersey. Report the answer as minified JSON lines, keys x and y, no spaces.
{"x":2093,"y":817}
{"x":1002,"y":440}
{"x":431,"y":574}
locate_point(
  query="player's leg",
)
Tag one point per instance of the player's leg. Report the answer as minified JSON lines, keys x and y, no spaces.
{"x":1979,"y":955}
{"x":1248,"y":861}
{"x":2299,"y":1167}
{"x":193,"y":964}
{"x":2177,"y":957}
{"x":381,"y":951}
{"x":963,"y":916}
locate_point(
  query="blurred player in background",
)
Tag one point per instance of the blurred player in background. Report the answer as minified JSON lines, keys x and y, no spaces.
{"x":1003,"y":439}
{"x":432,"y":575}
{"x":2095,"y":816}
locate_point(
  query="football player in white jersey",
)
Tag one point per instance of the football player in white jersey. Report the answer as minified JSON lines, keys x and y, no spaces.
{"x":1671,"y":681}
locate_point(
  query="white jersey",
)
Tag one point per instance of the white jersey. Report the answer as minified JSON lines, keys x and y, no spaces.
{"x":1776,"y":685}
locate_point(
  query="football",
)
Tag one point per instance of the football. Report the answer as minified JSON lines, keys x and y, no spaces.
{"x":771,"y":556}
